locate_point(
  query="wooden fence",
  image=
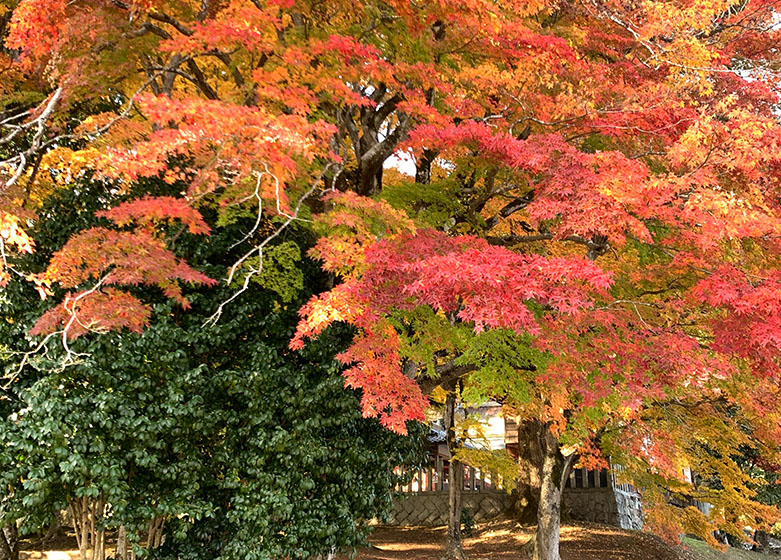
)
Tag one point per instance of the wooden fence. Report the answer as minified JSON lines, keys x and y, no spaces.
{"x":434,"y":478}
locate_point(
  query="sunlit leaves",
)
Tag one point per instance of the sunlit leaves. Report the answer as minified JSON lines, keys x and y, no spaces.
{"x":35,"y":27}
{"x":352,"y":224}
{"x":99,"y":258}
{"x":463,"y":278}
{"x":149,"y":210}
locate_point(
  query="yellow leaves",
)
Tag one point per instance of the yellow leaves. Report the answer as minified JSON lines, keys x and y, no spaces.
{"x":12,"y":239}
{"x":472,"y":428}
{"x":696,"y":523}
{"x":438,"y":395}
{"x":526,"y":8}
{"x":59,"y":168}
{"x":672,"y":17}
{"x":94,"y":123}
{"x":558,"y":403}
{"x":12,"y":234}
{"x":496,"y":461}
{"x":41,"y":284}
{"x":693,"y":145}
{"x":352,"y":225}
{"x":690,"y":63}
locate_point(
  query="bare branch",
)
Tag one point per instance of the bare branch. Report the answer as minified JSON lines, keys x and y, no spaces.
{"x":212,"y":320}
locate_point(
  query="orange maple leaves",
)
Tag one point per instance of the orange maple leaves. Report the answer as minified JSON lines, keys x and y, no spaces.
{"x":108,"y":259}
{"x":36,"y":26}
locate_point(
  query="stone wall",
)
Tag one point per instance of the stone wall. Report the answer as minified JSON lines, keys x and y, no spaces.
{"x":430,"y":508}
{"x":630,"y":513}
{"x":590,"y":504}
{"x":589,"y":496}
{"x":612,"y":506}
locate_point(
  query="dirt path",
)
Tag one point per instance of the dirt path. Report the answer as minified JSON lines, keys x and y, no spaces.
{"x":499,"y":540}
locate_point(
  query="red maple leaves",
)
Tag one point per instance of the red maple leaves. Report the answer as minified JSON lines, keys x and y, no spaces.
{"x":151,"y":210}
{"x":463,"y":278}
{"x":751,"y":327}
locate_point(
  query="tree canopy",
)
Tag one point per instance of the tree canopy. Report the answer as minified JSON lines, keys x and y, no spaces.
{"x":591,"y":231}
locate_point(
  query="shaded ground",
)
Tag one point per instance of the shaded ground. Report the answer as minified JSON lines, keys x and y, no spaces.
{"x":500,"y":540}
{"x":496,"y":540}
{"x":63,"y":547}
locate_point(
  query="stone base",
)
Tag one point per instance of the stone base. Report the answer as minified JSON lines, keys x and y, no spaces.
{"x":430,"y":509}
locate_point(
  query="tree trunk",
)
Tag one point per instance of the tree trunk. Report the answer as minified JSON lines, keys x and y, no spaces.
{"x":54,"y":529}
{"x":9,"y":542}
{"x":156,"y":533}
{"x":13,"y":539}
{"x":423,"y":167}
{"x":80,"y":525}
{"x":761,"y":542}
{"x":548,"y":514}
{"x":454,"y":549}
{"x":554,"y":473}
{"x":87,"y":515}
{"x":121,"y":550}
{"x":530,"y":459}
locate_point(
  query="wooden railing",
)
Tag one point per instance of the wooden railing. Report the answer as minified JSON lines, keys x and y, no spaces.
{"x":434,"y":478}
{"x":585,"y":479}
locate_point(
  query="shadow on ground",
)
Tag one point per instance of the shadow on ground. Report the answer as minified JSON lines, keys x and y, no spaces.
{"x":503,"y":539}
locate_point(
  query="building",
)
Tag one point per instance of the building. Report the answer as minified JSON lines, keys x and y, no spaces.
{"x":589,"y":495}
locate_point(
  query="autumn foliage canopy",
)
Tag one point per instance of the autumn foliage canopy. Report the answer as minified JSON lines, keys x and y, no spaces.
{"x":594,"y":181}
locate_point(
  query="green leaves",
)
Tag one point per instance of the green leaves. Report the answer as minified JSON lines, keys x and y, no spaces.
{"x":278,"y":270}
{"x":508,"y":365}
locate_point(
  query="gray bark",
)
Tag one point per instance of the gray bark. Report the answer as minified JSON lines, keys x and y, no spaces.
{"x":762,"y":542}
{"x":554,"y":472}
{"x":454,"y":548}
{"x":9,"y":543}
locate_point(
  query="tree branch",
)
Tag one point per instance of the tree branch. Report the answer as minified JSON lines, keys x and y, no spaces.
{"x":445,"y":374}
{"x":598,"y":245}
{"x":165,"y":18}
{"x":516,"y":205}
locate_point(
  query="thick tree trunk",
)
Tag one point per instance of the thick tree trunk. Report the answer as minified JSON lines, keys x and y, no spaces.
{"x":454,"y":549}
{"x":554,"y":472}
{"x":530,"y":458}
{"x":370,"y":180}
{"x":548,"y":514}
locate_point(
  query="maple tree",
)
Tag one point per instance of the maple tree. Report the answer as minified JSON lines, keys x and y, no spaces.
{"x":595,"y":194}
